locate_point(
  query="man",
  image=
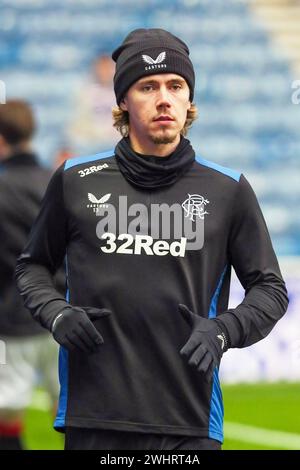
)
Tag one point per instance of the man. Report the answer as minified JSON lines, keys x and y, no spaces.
{"x":28,"y":347}
{"x":150,"y":233}
{"x":91,"y":122}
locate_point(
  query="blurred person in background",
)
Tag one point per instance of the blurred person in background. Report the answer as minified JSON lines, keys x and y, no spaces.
{"x":90,"y":128}
{"x":30,"y":351}
{"x":146,"y":319}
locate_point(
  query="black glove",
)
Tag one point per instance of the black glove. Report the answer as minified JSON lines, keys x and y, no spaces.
{"x":73,"y":329}
{"x":206,"y":344}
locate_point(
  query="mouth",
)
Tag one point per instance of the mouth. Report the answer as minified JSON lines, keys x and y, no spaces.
{"x":164,"y":119}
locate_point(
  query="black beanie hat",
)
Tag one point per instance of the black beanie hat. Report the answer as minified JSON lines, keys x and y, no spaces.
{"x":147,"y":52}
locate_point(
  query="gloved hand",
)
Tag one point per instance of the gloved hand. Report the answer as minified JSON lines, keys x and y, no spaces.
{"x":206,"y":344}
{"x":73,"y":329}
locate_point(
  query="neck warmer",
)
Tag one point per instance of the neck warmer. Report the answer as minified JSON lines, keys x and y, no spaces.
{"x":150,"y":171}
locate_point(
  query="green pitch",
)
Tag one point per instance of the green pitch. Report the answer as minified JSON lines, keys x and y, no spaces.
{"x":273,"y":407}
{"x":260,"y":412}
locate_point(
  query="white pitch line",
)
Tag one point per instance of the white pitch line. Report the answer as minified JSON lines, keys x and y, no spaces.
{"x":261,"y":436}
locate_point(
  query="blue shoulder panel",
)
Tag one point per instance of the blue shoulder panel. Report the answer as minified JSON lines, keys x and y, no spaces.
{"x":222,"y":169}
{"x":91,"y":158}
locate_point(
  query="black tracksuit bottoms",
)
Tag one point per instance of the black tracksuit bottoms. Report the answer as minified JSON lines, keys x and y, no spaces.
{"x":103,"y":439}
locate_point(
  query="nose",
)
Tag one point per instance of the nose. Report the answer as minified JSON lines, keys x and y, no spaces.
{"x":163,"y":98}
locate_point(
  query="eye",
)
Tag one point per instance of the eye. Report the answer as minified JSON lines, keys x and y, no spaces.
{"x":147,"y":88}
{"x":176,"y":86}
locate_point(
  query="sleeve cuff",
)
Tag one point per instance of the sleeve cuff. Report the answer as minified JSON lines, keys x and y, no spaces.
{"x":231,"y":327}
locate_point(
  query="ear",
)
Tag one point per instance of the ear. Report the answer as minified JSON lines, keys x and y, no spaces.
{"x":189,"y":105}
{"x":123,"y":105}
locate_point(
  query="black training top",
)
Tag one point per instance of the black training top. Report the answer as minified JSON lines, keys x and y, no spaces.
{"x":141,"y":235}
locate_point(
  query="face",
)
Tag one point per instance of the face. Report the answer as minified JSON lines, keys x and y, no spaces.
{"x":157,"y":107}
{"x":104,"y":69}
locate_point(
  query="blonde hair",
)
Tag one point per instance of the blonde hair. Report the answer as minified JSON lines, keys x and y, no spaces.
{"x":121,"y":120}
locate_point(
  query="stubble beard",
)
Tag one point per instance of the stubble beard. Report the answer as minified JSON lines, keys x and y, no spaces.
{"x":165,"y":138}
